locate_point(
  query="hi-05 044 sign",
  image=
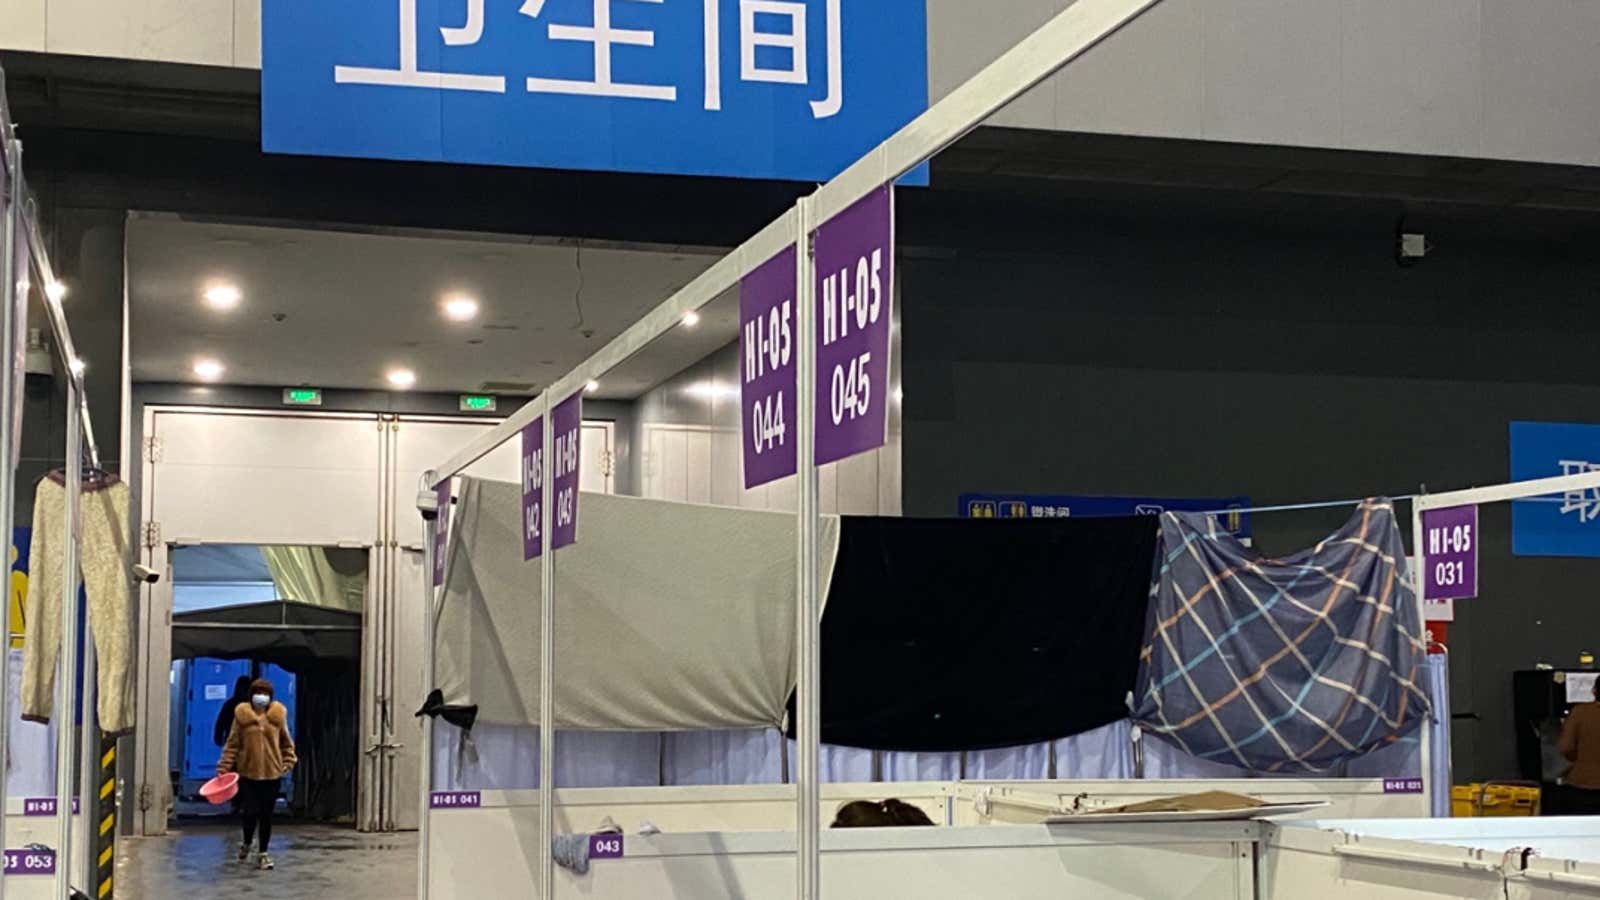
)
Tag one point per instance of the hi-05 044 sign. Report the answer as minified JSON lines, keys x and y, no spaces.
{"x":767,"y":383}
{"x":794,"y":89}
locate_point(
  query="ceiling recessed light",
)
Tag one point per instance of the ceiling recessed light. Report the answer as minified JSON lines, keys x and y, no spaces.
{"x":592,"y":386}
{"x":223,"y":296}
{"x":55,"y":290}
{"x":460,"y":308}
{"x":402,"y":378}
{"x":208,"y":369}
{"x":691,"y":319}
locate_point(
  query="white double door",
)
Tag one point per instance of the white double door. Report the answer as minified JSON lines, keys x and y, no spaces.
{"x":350,"y":480}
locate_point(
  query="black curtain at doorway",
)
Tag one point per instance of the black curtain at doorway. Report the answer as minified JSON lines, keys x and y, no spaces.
{"x":327,"y":719}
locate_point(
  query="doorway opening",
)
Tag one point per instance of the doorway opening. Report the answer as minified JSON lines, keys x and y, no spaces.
{"x":294,"y":616}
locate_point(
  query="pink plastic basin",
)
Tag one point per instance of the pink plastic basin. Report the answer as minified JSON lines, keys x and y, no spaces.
{"x":220,"y":789}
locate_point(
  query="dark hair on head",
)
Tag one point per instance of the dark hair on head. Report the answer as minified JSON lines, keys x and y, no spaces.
{"x":262,"y":686}
{"x":889,"y":813}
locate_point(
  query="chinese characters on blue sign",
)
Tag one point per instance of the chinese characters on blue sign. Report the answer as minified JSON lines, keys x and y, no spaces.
{"x":1565,"y":525}
{"x":792,"y":89}
{"x":1037,"y":506}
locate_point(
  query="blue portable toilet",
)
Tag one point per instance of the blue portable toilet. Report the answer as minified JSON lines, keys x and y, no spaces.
{"x":209,"y":690}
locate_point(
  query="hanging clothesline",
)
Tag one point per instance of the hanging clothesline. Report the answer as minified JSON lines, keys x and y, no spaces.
{"x":1333,"y":504}
{"x":1294,"y":507}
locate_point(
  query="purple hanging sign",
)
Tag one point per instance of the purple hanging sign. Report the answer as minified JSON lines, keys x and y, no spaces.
{"x":30,"y":862}
{"x":441,"y":531}
{"x":568,"y":425}
{"x":854,"y":302}
{"x":533,"y":490}
{"x":455,"y":800}
{"x":767,"y":383}
{"x":1450,"y":553}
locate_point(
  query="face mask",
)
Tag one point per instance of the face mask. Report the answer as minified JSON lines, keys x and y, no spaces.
{"x":260,"y":701}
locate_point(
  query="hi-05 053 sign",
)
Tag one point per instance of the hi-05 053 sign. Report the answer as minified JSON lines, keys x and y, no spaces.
{"x":33,"y":861}
{"x":794,"y":89}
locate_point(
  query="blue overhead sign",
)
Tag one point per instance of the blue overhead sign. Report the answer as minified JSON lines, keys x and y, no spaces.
{"x":787,"y":89}
{"x":1048,"y":506}
{"x":1560,"y":525}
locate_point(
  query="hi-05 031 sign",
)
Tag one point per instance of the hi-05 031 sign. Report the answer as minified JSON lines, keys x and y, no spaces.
{"x":793,"y":89}
{"x":1450,"y":553}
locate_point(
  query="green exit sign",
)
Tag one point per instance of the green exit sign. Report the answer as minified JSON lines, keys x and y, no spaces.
{"x":302,"y":396}
{"x":478,"y":403}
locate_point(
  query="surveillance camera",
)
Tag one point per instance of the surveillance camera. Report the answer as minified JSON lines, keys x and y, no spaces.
{"x":146,"y":575}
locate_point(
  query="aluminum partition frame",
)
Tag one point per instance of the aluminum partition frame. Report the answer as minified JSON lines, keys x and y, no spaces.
{"x":547,"y":648}
{"x":10,"y":217}
{"x":67,"y":657}
{"x":1058,"y":42}
{"x":58,"y":320}
{"x":1499,"y":493}
{"x":808,"y":638}
{"x":430,"y":532}
{"x":1064,"y":38}
{"x":21,"y":215}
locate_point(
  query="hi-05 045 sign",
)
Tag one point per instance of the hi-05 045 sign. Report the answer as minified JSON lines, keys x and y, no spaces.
{"x":854,"y":307}
{"x":794,"y":89}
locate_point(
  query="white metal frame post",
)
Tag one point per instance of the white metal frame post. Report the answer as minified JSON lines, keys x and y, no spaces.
{"x":547,"y":661}
{"x":1499,"y":493}
{"x":430,"y":532}
{"x":10,"y":222}
{"x":67,"y":658}
{"x":808,"y":708}
{"x":1418,"y":582}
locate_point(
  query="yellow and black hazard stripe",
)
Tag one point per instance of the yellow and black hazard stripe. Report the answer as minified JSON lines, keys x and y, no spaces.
{"x":105,"y":842}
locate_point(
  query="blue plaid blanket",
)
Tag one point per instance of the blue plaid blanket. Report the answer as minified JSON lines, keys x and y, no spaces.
{"x":1292,"y":664}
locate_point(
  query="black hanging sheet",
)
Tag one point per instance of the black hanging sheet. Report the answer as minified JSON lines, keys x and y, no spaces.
{"x":972,"y":634}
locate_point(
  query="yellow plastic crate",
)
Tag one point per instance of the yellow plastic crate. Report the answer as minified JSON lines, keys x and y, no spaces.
{"x":1497,"y":800}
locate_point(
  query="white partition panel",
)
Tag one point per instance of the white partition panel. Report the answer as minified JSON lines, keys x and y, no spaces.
{"x":978,"y":802}
{"x":1574,"y":838}
{"x":237,"y":478}
{"x":1555,"y":879}
{"x":1108,"y":863}
{"x":1299,"y":863}
{"x":405,"y":737}
{"x":23,"y":831}
{"x":419,"y":443}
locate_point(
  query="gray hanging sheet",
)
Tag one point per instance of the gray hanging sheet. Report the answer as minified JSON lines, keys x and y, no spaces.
{"x":669,"y":616}
{"x":1293,"y":664}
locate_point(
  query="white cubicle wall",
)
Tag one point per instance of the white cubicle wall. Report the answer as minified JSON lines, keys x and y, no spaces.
{"x":1422,"y":859}
{"x":753,"y":824}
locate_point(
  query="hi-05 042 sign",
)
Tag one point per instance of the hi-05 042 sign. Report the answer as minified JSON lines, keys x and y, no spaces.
{"x":794,"y":89}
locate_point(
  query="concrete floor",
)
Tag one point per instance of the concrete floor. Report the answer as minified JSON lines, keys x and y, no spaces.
{"x":314,"y":863}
